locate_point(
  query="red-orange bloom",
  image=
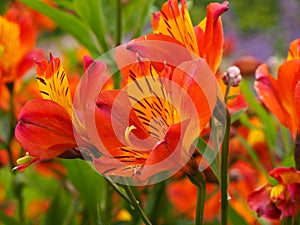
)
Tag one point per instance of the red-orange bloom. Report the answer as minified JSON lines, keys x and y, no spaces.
{"x":282,"y":95}
{"x":205,"y":40}
{"x":149,"y":126}
{"x":45,"y":127}
{"x":281,"y":200}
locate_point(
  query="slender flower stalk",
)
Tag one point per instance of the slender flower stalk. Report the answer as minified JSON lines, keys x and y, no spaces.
{"x":297,"y":152}
{"x":224,"y":172}
{"x":17,"y":178}
{"x":136,"y":204}
{"x":297,"y":166}
{"x":231,"y":77}
{"x":198,"y":180}
{"x":12,"y":122}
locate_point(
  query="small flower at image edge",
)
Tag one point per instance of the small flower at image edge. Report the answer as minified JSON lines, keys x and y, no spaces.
{"x":278,"y":201}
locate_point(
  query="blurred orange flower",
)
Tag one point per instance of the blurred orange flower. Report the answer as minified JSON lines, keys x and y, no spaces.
{"x":282,"y":95}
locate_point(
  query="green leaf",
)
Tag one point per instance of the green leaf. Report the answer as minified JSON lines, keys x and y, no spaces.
{"x":58,"y":211}
{"x":253,"y":155}
{"x":265,"y":117}
{"x":235,"y":218}
{"x":235,"y":116}
{"x":209,"y":154}
{"x":90,"y":186}
{"x":91,"y":11}
{"x":68,"y":22}
{"x":8,"y":220}
{"x":137,"y":13}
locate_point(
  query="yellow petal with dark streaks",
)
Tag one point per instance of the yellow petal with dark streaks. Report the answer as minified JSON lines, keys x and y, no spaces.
{"x":176,"y":23}
{"x":150,"y":100}
{"x":53,"y":82}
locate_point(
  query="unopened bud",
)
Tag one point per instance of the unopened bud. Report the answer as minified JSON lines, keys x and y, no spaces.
{"x":232,"y":76}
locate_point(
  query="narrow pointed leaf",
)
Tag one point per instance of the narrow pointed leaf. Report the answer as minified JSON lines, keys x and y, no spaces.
{"x":68,"y":22}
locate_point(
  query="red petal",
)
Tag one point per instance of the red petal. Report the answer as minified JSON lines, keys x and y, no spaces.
{"x":87,"y":61}
{"x":286,"y":175}
{"x":28,"y":61}
{"x":264,"y":86}
{"x":45,"y":129}
{"x":260,"y":201}
{"x":112,"y":116}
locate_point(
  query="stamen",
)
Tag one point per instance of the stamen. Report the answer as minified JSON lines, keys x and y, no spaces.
{"x":127,"y":132}
{"x":25,"y":160}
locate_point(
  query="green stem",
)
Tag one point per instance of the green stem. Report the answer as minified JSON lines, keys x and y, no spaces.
{"x":117,"y":189}
{"x":118,"y":23}
{"x":12,"y":122}
{"x":297,"y":166}
{"x":118,"y":40}
{"x":227,"y":93}
{"x":224,"y":172}
{"x":136,"y":204}
{"x":297,"y":152}
{"x":289,"y":220}
{"x":198,"y":179}
{"x":17,"y":178}
{"x":297,"y":219}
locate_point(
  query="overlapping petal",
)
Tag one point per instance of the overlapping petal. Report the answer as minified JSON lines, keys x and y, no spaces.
{"x":279,"y":95}
{"x":209,"y":34}
{"x":205,"y":40}
{"x":45,"y":129}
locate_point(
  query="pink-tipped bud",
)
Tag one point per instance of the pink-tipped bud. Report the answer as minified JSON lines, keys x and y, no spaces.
{"x":232,"y":76}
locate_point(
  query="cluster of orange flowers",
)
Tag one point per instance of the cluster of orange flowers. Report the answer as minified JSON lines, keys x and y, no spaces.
{"x":67,"y":120}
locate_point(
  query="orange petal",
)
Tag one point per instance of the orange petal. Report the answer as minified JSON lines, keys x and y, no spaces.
{"x":157,"y":48}
{"x":294,"y":51}
{"x":210,"y":39}
{"x":113,"y":115}
{"x":122,"y":161}
{"x":297,"y":99}
{"x":200,"y":84}
{"x":176,"y":23}
{"x":264,"y":86}
{"x":288,"y":77}
{"x":45,"y":129}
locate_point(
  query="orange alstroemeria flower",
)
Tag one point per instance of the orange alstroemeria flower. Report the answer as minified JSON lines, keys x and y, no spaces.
{"x":282,"y":95}
{"x":45,"y":127}
{"x":281,"y":200}
{"x":205,"y":40}
{"x":149,"y":126}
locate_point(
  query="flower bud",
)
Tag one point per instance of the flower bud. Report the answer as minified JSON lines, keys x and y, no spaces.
{"x":232,"y":76}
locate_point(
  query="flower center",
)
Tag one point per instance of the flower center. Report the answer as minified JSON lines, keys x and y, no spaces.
{"x":277,"y":193}
{"x":156,"y":115}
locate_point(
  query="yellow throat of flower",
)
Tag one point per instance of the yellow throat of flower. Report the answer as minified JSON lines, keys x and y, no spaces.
{"x":277,"y":192}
